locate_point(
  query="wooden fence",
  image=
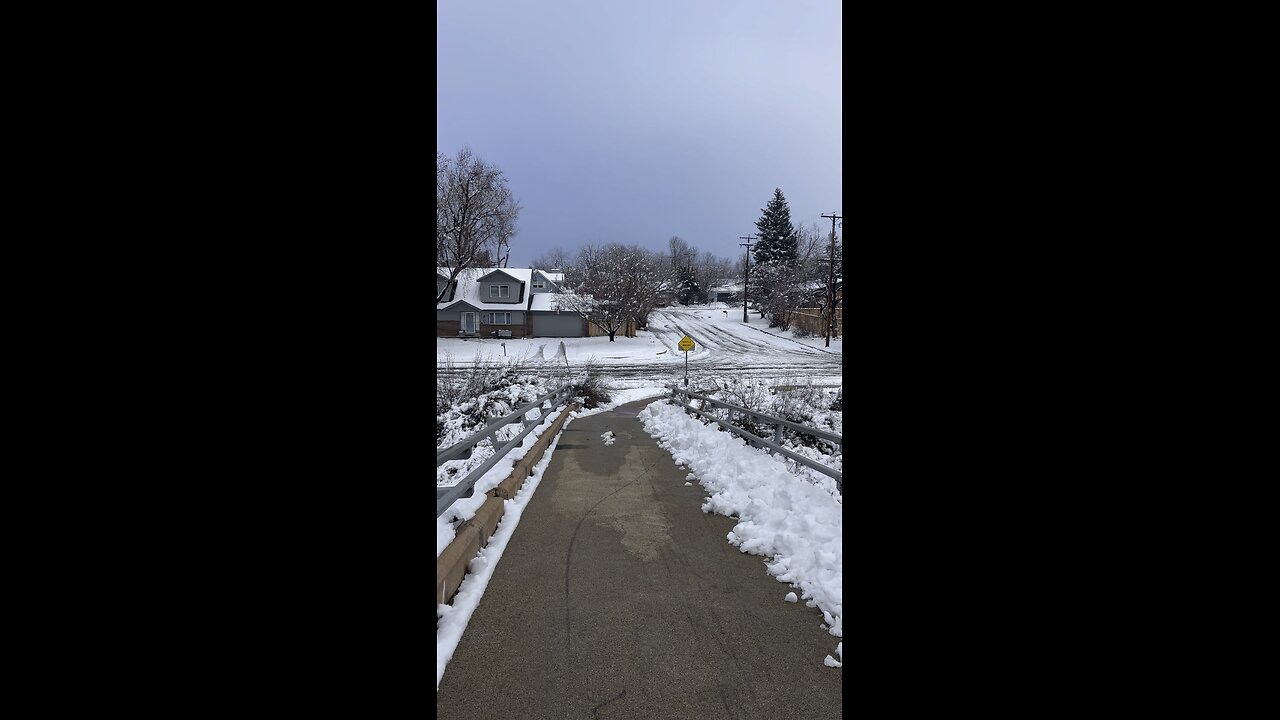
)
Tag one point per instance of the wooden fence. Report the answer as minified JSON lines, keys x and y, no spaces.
{"x":811,"y":321}
{"x":627,"y":330}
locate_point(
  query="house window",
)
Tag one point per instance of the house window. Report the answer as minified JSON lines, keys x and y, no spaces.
{"x":539,"y":285}
{"x":499,"y":291}
{"x":499,"y":318}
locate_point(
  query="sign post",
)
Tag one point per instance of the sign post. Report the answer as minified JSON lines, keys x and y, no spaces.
{"x":686,"y":344}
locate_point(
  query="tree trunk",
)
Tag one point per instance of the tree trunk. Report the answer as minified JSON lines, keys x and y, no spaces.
{"x":611,"y":333}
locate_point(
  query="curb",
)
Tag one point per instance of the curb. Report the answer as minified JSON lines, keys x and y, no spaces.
{"x":474,"y":534}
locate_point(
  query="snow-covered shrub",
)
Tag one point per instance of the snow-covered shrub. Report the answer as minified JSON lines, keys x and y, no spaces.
{"x":589,"y":387}
{"x":804,"y":405}
{"x":788,"y":399}
{"x":487,"y":388}
{"x":780,"y":320}
{"x":749,"y":393}
{"x":797,"y":403}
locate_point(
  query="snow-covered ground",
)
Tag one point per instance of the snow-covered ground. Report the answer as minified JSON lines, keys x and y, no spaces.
{"x":790,"y":515}
{"x":784,"y":515}
{"x":723,"y":344}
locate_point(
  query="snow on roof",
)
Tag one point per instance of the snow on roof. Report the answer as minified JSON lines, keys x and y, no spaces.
{"x":469,"y":290}
{"x":552,"y":301}
{"x":545,"y":301}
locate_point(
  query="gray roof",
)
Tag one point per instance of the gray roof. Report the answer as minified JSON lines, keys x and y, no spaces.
{"x":469,"y":290}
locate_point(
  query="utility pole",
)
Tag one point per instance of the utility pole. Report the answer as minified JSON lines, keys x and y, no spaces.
{"x":831,"y":282}
{"x":747,"y":274}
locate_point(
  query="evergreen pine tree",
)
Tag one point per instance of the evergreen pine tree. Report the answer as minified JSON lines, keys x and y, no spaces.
{"x":777,"y":243}
{"x":688,"y":285}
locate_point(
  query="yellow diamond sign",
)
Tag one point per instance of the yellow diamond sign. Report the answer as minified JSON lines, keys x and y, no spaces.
{"x":685,"y":344}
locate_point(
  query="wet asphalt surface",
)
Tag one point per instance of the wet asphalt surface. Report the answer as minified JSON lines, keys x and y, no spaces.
{"x":617,"y":597}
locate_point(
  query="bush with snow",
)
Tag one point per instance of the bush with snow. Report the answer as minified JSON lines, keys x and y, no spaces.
{"x":793,"y":400}
{"x":467,"y":401}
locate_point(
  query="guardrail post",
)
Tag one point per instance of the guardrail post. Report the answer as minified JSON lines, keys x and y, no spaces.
{"x":777,"y":435}
{"x":493,"y":436}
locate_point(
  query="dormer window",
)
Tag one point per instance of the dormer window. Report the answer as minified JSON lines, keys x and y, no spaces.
{"x":499,"y":291}
{"x":539,"y":285}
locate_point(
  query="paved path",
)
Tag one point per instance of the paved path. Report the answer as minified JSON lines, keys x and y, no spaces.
{"x":617,"y":597}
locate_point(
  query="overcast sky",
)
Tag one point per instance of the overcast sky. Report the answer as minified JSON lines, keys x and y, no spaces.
{"x":635,"y":121}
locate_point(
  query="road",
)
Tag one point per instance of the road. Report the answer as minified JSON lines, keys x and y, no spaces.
{"x":725,"y":346}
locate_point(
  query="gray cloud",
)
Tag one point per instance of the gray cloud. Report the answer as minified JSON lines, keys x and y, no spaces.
{"x":637,"y":121}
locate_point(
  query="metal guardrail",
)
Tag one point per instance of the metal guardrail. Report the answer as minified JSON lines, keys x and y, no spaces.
{"x":755,"y":440}
{"x":445,"y":496}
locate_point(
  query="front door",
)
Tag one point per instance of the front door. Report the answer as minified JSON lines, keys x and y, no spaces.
{"x":469,"y":323}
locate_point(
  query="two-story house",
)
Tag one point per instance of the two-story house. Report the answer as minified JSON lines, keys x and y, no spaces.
{"x":508,"y":302}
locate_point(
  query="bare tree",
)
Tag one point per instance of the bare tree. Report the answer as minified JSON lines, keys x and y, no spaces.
{"x":475,"y":214}
{"x":668,"y":279}
{"x":712,"y":269}
{"x":811,"y":242}
{"x":553,"y":259}
{"x":653,"y":286}
{"x":611,"y":284}
{"x":680,"y":252}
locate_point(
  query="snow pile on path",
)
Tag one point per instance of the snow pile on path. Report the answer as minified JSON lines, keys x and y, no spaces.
{"x":784,"y":516}
{"x":832,"y":662}
{"x":608,"y":438}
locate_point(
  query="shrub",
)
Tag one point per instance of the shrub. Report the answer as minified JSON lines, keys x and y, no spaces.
{"x":750,"y":394}
{"x":467,"y":396}
{"x":589,"y":387}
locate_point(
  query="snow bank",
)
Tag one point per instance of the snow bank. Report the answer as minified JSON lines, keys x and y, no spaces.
{"x":795,"y":523}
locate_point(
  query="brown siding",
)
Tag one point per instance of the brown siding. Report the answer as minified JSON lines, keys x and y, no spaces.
{"x":517,"y":329}
{"x":450,"y":328}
